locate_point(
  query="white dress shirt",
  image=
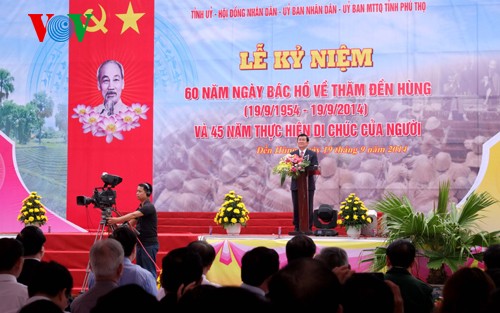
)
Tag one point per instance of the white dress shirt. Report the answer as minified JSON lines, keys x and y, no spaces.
{"x":13,"y":295}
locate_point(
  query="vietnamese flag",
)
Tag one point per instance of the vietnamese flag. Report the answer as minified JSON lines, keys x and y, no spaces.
{"x":120,"y":144}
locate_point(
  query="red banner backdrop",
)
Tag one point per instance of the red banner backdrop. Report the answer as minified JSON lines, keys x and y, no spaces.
{"x":121,"y":31}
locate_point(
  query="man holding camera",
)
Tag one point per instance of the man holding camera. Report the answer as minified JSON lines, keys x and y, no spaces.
{"x":145,"y":221}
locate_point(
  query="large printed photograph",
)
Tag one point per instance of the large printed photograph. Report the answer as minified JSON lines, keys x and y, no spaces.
{"x":414,"y":113}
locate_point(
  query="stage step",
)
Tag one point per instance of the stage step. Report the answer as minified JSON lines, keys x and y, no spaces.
{"x":72,"y":250}
{"x":216,"y":229}
{"x":260,"y":223}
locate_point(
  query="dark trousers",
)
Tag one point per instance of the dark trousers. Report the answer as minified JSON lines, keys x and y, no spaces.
{"x":146,"y":258}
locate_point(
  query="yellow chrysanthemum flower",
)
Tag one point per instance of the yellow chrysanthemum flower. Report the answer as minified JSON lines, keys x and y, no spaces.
{"x":232,"y":211}
{"x":352,"y":212}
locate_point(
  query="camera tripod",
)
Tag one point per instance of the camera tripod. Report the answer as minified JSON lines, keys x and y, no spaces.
{"x":105,"y":214}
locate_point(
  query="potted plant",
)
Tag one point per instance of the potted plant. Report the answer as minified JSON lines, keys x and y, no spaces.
{"x":32,"y":212}
{"x":232,"y":214}
{"x":353,"y":215}
{"x":447,"y":236}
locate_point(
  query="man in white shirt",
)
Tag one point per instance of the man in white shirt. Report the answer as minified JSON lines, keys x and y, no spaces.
{"x":13,"y":295}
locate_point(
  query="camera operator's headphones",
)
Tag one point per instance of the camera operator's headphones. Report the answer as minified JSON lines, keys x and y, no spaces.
{"x":147,"y":188}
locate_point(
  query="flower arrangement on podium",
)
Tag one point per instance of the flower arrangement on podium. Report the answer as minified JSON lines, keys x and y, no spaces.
{"x":32,"y":211}
{"x":353,"y":213}
{"x":232,"y":211}
{"x":291,"y":165}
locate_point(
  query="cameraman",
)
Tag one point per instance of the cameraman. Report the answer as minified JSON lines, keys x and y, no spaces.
{"x":146,"y":222}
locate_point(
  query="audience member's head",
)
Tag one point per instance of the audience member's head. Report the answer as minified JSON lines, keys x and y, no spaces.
{"x":365,"y":292}
{"x":41,"y":306}
{"x":491,"y":260}
{"x":33,"y":239}
{"x":192,"y":298}
{"x":467,"y":290}
{"x":128,"y":239}
{"x":127,"y":298}
{"x":333,"y":257}
{"x":180,"y":266}
{"x":206,"y":252}
{"x":258,"y":265}
{"x":303,"y":284}
{"x":300,"y":246}
{"x":53,"y":281}
{"x":106,"y":259}
{"x":491,"y":257}
{"x":401,"y":253}
{"x":11,"y":256}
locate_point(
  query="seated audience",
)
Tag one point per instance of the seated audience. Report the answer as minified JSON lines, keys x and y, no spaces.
{"x":257,"y":267}
{"x":494,"y":302}
{"x":127,"y":298}
{"x":132,"y":273}
{"x":182,"y":270}
{"x":106,"y":262}
{"x":467,"y":290}
{"x":364,"y":292}
{"x":491,"y":260}
{"x":13,"y":295}
{"x":226,"y":296}
{"x":207,"y":253}
{"x":300,"y":246}
{"x":52,"y":282}
{"x":303,"y":284}
{"x":41,"y":306}
{"x":333,"y":257}
{"x":33,"y":241}
{"x":417,"y":295}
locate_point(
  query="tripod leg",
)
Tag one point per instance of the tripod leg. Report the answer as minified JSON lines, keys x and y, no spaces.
{"x":98,"y":236}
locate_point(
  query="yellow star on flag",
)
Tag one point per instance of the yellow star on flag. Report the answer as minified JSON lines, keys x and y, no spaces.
{"x":130,"y":19}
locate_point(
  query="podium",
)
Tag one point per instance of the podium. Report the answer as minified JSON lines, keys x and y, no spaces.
{"x":303,"y":200}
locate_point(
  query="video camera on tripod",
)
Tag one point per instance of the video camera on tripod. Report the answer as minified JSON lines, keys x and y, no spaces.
{"x":104,"y":197}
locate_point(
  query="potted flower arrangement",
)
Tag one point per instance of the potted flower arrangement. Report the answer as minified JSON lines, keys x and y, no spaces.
{"x":353,"y":215}
{"x":32,"y":211}
{"x":291,"y":165}
{"x":233,"y":213}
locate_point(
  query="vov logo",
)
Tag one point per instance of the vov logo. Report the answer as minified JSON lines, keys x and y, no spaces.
{"x":59,"y":27}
